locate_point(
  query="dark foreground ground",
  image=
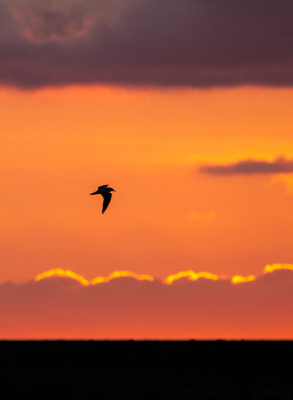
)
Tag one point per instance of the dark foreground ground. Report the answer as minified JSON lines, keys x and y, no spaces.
{"x":146,"y":370}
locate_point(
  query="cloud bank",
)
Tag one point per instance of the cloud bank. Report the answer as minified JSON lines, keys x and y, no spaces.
{"x":126,"y":307}
{"x":195,"y":43}
{"x":250,"y":167}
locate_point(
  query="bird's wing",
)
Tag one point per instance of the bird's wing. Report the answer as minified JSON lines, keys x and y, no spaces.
{"x":103,"y":186}
{"x":107,"y":199}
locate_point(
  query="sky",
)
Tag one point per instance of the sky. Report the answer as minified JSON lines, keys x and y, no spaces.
{"x":184,"y":107}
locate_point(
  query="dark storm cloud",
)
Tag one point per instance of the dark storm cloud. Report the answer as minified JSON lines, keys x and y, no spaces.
{"x":197,"y":43}
{"x":125,"y":308}
{"x":250,"y":167}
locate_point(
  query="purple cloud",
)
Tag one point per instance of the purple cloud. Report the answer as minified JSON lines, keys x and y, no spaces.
{"x":250,"y":167}
{"x":199,"y":43}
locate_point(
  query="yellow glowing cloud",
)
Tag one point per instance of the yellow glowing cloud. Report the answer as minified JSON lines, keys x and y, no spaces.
{"x":242,"y":279}
{"x":274,"y":267}
{"x":62,"y":272}
{"x":119,"y":274}
{"x":192,"y":276}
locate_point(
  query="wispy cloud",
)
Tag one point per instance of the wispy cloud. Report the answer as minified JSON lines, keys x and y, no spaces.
{"x":250,"y":167}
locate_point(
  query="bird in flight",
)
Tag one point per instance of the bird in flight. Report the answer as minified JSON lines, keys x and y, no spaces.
{"x":104,"y":190}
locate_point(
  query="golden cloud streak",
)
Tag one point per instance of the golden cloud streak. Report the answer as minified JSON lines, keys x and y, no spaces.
{"x":242,"y":279}
{"x":274,"y":267}
{"x":119,"y":274}
{"x":61,"y":272}
{"x":69,"y":274}
{"x":191,"y":275}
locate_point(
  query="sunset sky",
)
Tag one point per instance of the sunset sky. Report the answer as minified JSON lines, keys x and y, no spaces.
{"x":184,"y":107}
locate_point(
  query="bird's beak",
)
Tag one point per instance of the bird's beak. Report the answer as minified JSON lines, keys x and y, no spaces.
{"x":94,"y":192}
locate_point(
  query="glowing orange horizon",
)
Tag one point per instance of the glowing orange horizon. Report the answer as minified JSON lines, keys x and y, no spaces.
{"x":191,"y":275}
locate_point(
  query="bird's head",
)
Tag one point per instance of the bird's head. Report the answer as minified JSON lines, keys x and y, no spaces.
{"x":112,"y":190}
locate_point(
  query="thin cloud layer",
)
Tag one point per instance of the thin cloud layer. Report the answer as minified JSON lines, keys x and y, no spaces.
{"x":194,"y":43}
{"x":125,"y":307}
{"x":250,"y":167}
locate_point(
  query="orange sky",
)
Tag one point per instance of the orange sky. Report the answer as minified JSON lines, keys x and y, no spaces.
{"x":59,"y":145}
{"x":166,"y":217}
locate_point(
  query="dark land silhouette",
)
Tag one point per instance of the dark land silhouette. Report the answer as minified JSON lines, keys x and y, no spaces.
{"x":147,"y":369}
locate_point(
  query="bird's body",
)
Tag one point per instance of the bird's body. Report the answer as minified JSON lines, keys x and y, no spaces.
{"x":105,"y":191}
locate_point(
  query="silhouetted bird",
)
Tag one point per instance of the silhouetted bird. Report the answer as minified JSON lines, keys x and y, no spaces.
{"x":105,"y":192}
